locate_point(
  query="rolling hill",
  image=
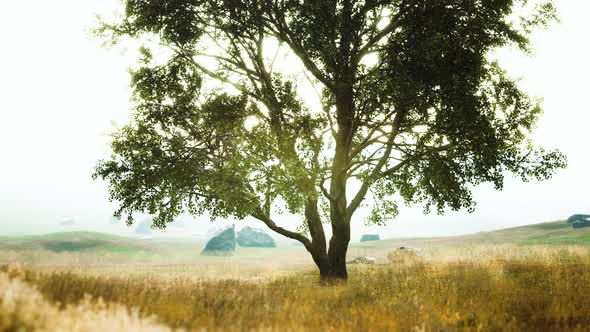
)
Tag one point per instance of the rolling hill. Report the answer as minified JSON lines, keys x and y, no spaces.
{"x":551,"y":233}
{"x":104,"y":254}
{"x":73,"y":241}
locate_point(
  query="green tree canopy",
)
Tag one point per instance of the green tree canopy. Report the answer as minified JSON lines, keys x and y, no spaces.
{"x":412,"y":109}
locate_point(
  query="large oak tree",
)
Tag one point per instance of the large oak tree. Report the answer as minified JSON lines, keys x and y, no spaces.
{"x":413,"y":109}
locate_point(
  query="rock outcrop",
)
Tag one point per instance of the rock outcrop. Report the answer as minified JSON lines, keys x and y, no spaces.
{"x":222,"y":244}
{"x":253,"y":237}
{"x":403,"y":255}
{"x":362,"y":260}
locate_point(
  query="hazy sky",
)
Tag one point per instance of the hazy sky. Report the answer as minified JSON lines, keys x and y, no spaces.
{"x":61,"y":94}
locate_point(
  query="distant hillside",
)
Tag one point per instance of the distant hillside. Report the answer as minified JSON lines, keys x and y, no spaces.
{"x":552,"y":233}
{"x":73,"y":241}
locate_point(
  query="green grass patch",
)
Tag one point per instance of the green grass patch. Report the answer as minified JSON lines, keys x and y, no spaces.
{"x":80,"y":235}
{"x":74,"y":242}
{"x":61,"y":246}
{"x":551,"y":226}
{"x":569,"y":238}
{"x":88,"y":245}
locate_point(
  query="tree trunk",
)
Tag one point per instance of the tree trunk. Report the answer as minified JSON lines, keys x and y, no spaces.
{"x":333,"y":269}
{"x":335,"y":272}
{"x":332,"y":265}
{"x":333,"y":276}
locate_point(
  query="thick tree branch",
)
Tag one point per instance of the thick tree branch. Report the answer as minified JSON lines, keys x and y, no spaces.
{"x":325,"y":192}
{"x":260,"y":215}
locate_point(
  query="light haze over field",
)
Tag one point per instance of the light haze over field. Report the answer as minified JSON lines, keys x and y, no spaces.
{"x":61,"y":94}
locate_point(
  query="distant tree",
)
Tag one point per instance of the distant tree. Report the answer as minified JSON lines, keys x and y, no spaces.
{"x":145,"y":227}
{"x":413,"y":109}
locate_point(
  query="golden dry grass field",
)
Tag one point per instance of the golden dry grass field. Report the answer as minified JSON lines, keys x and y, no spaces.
{"x":526,"y":278}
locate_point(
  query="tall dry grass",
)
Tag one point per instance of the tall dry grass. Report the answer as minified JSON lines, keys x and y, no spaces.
{"x":23,"y":308}
{"x":502,"y":288}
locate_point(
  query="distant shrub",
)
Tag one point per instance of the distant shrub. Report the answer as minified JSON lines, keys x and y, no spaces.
{"x":256,"y":238}
{"x":578,"y":217}
{"x":370,"y":237}
{"x":581,"y":224}
{"x":404,"y":256}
